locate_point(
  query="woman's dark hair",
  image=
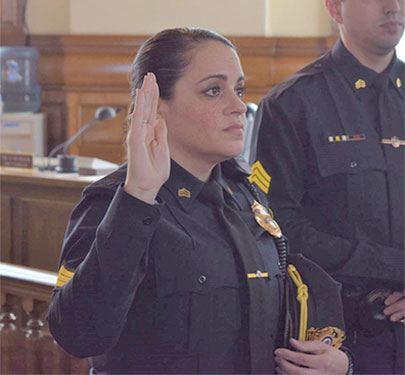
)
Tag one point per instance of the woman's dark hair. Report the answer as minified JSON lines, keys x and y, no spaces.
{"x":166,"y":54}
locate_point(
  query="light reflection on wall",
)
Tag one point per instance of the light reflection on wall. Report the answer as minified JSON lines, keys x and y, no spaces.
{"x":401,"y":49}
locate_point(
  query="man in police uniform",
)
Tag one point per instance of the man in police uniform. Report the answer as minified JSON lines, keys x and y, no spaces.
{"x":332,"y":143}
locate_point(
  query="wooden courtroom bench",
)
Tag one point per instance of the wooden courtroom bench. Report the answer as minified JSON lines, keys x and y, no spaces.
{"x":35,"y":209}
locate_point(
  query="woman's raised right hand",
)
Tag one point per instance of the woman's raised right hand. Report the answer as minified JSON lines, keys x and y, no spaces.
{"x":148,"y":150}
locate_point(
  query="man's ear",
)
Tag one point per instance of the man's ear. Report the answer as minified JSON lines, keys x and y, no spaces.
{"x":335,"y":10}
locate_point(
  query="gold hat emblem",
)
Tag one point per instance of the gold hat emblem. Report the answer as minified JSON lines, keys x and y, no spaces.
{"x":184,"y":193}
{"x":360,"y":84}
{"x":399,"y":82}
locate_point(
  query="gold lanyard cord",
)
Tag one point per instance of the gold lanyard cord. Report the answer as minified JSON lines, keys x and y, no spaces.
{"x":302,"y":297}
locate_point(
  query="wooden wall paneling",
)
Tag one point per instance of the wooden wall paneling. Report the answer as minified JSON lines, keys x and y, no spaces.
{"x":38,"y":216}
{"x":6,"y":235}
{"x":43,"y":226}
{"x":258,"y":73}
{"x":39,"y":226}
{"x":53,"y":105}
{"x":92,"y":70}
{"x":86,"y":62}
{"x":105,"y":140}
{"x":12,"y":22}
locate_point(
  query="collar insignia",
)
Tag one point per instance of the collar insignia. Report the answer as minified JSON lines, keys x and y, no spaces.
{"x":184,"y":193}
{"x":399,"y":82}
{"x":260,"y":177}
{"x":360,"y":84}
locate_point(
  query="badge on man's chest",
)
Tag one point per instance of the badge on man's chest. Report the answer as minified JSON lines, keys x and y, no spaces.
{"x":265,"y":220}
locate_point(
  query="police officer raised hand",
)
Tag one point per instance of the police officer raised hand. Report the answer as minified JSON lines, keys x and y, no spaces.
{"x":148,"y":151}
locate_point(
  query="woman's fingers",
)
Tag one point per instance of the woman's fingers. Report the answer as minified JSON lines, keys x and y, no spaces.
{"x":146,"y":101}
{"x":161,"y":132}
{"x":151,"y":96}
{"x":138,"y":114}
{"x":147,"y":89}
{"x":154,"y":100}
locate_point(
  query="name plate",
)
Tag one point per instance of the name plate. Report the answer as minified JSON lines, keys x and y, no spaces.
{"x":16,"y":160}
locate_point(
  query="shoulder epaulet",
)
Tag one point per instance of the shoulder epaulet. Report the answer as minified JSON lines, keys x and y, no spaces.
{"x":315,"y":67}
{"x":109,"y":182}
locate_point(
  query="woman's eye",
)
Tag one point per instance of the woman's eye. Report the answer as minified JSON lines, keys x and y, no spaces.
{"x":213,"y":91}
{"x":240,"y":91}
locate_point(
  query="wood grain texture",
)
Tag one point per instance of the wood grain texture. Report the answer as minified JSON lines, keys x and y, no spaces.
{"x":35,"y":211}
{"x":78,"y":73}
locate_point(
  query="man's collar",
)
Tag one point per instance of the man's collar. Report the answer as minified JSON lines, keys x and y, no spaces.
{"x":360,"y":76}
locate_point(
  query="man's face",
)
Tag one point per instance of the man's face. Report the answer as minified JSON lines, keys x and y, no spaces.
{"x":372,"y":26}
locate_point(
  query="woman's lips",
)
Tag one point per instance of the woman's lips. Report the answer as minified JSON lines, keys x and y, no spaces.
{"x":236,"y":129}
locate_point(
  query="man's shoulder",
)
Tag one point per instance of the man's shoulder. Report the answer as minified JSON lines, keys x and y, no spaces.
{"x":303,"y":80}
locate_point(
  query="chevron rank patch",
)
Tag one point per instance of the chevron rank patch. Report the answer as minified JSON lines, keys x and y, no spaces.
{"x":64,"y":276}
{"x":346,"y":138}
{"x":360,"y":84}
{"x":260,"y":177}
{"x":184,"y":193}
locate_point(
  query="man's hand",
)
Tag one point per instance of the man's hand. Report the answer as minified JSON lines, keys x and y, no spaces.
{"x":311,"y":357}
{"x":395,"y":309}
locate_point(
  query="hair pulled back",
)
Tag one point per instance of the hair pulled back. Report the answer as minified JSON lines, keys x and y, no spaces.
{"x":166,"y":54}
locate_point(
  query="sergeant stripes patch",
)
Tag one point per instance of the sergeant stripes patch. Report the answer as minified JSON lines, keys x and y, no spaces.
{"x":64,"y":275}
{"x":260,"y":177}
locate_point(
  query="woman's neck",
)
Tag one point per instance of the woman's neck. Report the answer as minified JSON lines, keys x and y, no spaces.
{"x":200,"y":169}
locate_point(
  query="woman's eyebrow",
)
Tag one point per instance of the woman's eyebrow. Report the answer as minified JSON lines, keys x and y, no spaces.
{"x":220,"y":76}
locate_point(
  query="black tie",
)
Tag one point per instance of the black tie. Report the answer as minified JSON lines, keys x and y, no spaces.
{"x":392,"y":127}
{"x":260,"y":341}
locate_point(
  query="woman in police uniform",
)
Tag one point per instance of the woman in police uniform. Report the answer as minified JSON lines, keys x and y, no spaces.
{"x":165,"y":268}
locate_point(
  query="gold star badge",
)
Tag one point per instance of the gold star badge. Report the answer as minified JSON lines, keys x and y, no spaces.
{"x":184,"y":193}
{"x":360,"y":84}
{"x":399,"y":82}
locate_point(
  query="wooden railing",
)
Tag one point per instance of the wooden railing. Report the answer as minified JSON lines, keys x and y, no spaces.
{"x":26,"y":344}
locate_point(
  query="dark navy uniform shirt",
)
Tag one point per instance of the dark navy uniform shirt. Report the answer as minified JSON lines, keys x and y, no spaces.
{"x":158,"y":288}
{"x":337,"y":191}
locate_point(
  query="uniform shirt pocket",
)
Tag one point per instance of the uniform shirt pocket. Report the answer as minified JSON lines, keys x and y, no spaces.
{"x":348,"y":156}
